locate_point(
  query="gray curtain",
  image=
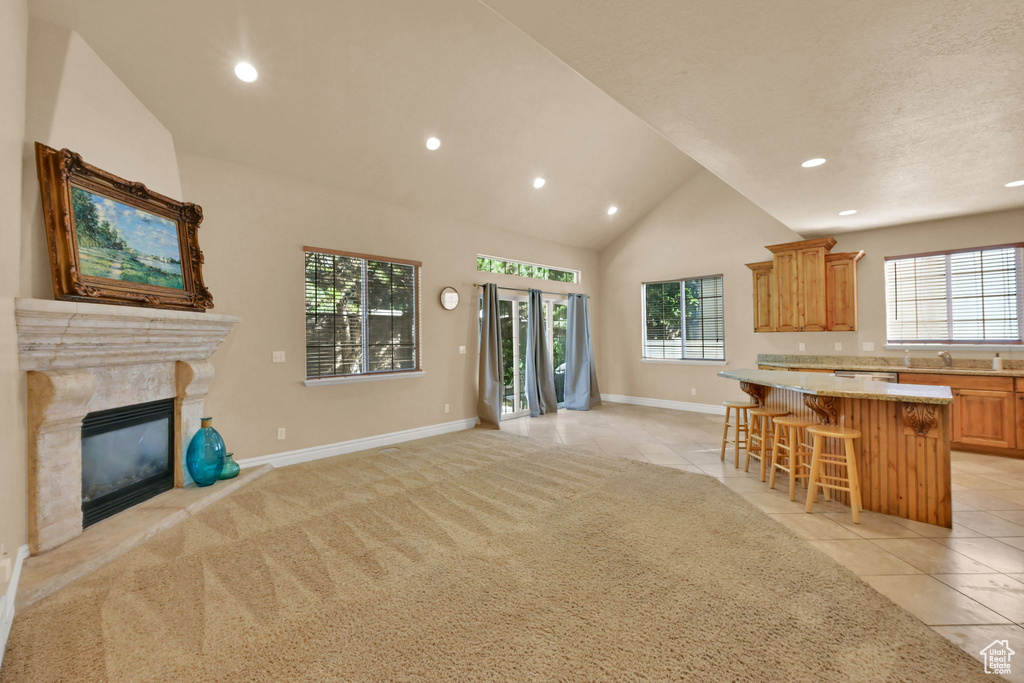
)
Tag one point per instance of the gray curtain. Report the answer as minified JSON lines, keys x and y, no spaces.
{"x":488,"y":403}
{"x":581,"y":390}
{"x":540,"y":379}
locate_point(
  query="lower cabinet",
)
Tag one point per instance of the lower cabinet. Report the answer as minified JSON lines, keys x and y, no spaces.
{"x":984,"y":418}
{"x":987,"y":412}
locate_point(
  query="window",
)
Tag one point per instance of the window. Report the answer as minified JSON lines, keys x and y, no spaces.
{"x":489,"y":264}
{"x":361,"y":314}
{"x":684,"y":319}
{"x":964,"y":296}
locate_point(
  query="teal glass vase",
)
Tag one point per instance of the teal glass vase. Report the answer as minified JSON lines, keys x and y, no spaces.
{"x":206,"y":454}
{"x":231,"y":468}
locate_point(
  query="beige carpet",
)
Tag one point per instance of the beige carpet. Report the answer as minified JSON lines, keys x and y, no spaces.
{"x":474,"y":556}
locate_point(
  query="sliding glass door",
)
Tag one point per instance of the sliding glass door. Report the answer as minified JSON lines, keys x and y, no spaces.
{"x":513,"y":314}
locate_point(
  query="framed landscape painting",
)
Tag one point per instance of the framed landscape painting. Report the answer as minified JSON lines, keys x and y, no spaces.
{"x":115,"y":241}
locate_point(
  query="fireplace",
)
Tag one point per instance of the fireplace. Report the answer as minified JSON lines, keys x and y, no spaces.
{"x":127,"y":457}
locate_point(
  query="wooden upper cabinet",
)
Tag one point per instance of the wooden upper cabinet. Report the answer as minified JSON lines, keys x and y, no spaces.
{"x":764,"y":300}
{"x":841,"y":291}
{"x":805,"y":288}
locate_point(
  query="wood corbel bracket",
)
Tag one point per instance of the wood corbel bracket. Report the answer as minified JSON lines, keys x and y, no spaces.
{"x":920,"y":417}
{"x":755,"y":391}
{"x":825,"y":407}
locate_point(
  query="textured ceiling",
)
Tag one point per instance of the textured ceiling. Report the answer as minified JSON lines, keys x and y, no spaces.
{"x":349,"y":92}
{"x":917,"y":104}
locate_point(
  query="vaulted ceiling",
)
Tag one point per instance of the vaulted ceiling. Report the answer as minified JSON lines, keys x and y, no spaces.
{"x":350,"y":90}
{"x":916,"y":104}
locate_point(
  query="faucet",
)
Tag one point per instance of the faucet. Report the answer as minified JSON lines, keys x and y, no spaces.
{"x":946,"y":358}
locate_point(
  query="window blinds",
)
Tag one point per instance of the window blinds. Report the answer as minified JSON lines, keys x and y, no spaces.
{"x":361,"y":315}
{"x":684,"y":319}
{"x":959,"y":296}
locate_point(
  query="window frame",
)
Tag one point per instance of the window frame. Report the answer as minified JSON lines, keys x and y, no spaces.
{"x":684,"y":360}
{"x":949,"y":342}
{"x":577,"y":274}
{"x":369,"y":376}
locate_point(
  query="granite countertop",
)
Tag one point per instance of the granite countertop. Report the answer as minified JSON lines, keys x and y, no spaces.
{"x":879,"y":365}
{"x":820,"y":384}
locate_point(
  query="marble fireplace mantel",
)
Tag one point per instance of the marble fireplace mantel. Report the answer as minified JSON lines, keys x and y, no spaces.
{"x":83,"y":357}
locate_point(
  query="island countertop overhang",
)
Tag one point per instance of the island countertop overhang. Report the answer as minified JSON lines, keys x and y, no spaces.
{"x":818,"y":384}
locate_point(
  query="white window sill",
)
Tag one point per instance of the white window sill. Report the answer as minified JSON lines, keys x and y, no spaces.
{"x":1012,"y":347}
{"x":684,"y":361}
{"x":369,"y":377}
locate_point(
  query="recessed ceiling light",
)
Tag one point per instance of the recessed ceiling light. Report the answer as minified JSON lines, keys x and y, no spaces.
{"x":612,"y":210}
{"x":433,"y":143}
{"x":538,"y":182}
{"x":1015,"y":183}
{"x":848,"y":212}
{"x":246,"y":72}
{"x":811,"y":163}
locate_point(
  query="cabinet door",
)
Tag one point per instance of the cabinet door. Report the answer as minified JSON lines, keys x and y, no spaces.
{"x":982,"y":417}
{"x":841,"y":294}
{"x":763,"y":301}
{"x":811,"y":290}
{"x":787,"y":291}
{"x":1020,"y":419}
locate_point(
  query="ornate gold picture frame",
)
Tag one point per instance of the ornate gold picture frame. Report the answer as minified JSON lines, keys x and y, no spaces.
{"x":115,"y":241}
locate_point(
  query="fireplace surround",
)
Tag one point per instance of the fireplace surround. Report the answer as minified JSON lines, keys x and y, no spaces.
{"x":83,"y":358}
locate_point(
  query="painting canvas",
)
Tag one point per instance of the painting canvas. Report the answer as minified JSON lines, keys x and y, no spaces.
{"x":121,"y":242}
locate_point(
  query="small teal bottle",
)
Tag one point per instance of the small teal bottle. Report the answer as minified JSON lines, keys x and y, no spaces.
{"x":231,"y":468}
{"x":205,"y":455}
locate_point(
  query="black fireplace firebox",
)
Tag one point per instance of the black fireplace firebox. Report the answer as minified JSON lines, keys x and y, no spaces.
{"x":127,"y":457}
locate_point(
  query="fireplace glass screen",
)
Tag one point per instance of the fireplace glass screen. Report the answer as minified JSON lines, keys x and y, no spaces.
{"x":127,"y":457}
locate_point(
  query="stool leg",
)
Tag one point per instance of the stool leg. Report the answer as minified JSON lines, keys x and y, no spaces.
{"x":794,"y":460}
{"x":725,"y":432}
{"x":740,"y":414}
{"x":854,"y":476}
{"x":752,"y":427}
{"x":812,"y":490}
{"x":775,"y":454}
{"x":764,"y":445}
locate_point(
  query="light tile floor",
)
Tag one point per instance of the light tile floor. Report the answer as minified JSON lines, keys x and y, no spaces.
{"x":967,"y":582}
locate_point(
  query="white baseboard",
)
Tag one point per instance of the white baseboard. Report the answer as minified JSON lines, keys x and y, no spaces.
{"x":7,"y":601}
{"x":666,"y":404}
{"x":342,"y":447}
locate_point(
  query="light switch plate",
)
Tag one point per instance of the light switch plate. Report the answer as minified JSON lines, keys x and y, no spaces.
{"x":803,"y":347}
{"x":278,"y":356}
{"x":868,"y":346}
{"x":462,"y":349}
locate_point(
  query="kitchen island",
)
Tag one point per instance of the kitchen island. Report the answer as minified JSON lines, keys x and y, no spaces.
{"x":903,"y":454}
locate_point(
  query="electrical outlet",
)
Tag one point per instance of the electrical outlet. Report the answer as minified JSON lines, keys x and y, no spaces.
{"x":839,"y":346}
{"x":803,"y":347}
{"x":693,"y":391}
{"x":278,"y":356}
{"x":447,"y":408}
{"x":462,"y":350}
{"x":280,"y":433}
{"x":868,"y":346}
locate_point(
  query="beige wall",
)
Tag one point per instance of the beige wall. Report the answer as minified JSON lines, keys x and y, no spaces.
{"x":13,"y":490}
{"x":707,"y":228}
{"x":75,"y":101}
{"x":252,"y":236}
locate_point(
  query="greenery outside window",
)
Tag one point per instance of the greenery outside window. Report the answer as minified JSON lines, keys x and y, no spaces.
{"x":489,"y":264}
{"x":362,"y":314}
{"x":684,"y":319}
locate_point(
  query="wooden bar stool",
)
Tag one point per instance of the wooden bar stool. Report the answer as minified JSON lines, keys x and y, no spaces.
{"x":790,"y":445}
{"x":847,"y":459}
{"x":759,"y":443}
{"x":741,"y":426}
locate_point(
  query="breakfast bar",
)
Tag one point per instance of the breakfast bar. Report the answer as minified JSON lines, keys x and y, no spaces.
{"x":903,"y":457}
